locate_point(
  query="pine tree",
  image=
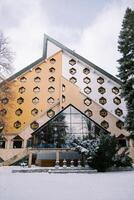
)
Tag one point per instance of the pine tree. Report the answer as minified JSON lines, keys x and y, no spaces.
{"x":126,"y":68}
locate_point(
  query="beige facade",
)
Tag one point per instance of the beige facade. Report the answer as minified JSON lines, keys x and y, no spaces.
{"x":47,"y":86}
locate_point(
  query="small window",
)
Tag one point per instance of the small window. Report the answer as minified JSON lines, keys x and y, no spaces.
{"x":87,"y":90}
{"x":116,"y":100}
{"x":115,"y":90}
{"x":35,"y":100}
{"x":105,"y":124}
{"x":3,"y":112}
{"x":23,"y":79}
{"x":89,"y":113}
{"x":37,"y":79}
{"x":73,"y":80}
{"x":63,"y":88}
{"x":86,"y":80}
{"x":5,"y":100}
{"x":51,"y":79}
{"x":17,"y":124}
{"x":34,"y":112}
{"x":86,"y":71}
{"x":50,"y":100}
{"x":102,"y":101}
{"x":72,"y":62}
{"x":101,"y":90}
{"x":36,"y":89}
{"x":72,"y":71}
{"x":20,"y":100}
{"x":120,"y":124}
{"x":22,"y":90}
{"x":34,"y":125}
{"x":52,"y":70}
{"x":103,"y":113}
{"x":38,"y":70}
{"x":100,"y":80}
{"x":52,"y":60}
{"x":87,"y":101}
{"x":118,"y":112}
{"x":18,"y":112}
{"x":51,"y":89}
{"x":63,"y":98}
{"x":50,"y":113}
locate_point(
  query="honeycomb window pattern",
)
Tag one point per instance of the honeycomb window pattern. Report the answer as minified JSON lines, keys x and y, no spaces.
{"x":51,"y":79}
{"x":4,"y":100}
{"x":38,"y":70}
{"x":101,"y":90}
{"x":72,"y":62}
{"x":115,"y":90}
{"x":87,"y":101}
{"x":86,"y":80}
{"x":17,"y":124}
{"x":37,"y":79}
{"x":22,"y":90}
{"x":102,"y":101}
{"x":52,"y":70}
{"x":103,"y":113}
{"x":35,"y":100}
{"x":51,"y":113}
{"x":3,"y":112}
{"x":52,"y":61}
{"x":51,"y":89}
{"x":86,"y":71}
{"x":118,"y":112}
{"x":23,"y":79}
{"x":87,"y":90}
{"x":117,"y":101}
{"x":120,"y":124}
{"x":50,"y":100}
{"x":72,"y":71}
{"x":34,"y":125}
{"x":34,"y":112}
{"x":73,"y":80}
{"x":36,"y":89}
{"x":100,"y":80}
{"x":20,"y":100}
{"x":89,"y":113}
{"x":105,"y":124}
{"x":18,"y":112}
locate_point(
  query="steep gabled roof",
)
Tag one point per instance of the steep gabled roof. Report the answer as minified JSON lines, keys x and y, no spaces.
{"x":66,"y":49}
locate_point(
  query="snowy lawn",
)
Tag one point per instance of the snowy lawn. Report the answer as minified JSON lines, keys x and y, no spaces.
{"x":43,"y":186}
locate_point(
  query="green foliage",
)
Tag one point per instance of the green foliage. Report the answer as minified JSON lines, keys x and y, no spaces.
{"x":126,"y":68}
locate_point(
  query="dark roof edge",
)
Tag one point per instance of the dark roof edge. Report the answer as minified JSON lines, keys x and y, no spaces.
{"x":46,"y":38}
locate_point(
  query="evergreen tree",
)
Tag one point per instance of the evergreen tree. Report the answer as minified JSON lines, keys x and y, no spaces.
{"x":126,"y":68}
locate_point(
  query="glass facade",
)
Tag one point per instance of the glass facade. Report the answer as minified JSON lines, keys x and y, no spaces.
{"x":68,"y":125}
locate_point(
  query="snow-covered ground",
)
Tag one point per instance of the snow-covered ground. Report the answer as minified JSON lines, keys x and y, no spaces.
{"x":44,"y":186}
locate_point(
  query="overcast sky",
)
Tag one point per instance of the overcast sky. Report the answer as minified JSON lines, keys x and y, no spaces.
{"x":90,"y":27}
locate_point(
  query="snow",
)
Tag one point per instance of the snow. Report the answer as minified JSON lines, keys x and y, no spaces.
{"x":38,"y":186}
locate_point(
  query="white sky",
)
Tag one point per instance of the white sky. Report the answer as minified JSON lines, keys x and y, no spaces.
{"x":91,"y":28}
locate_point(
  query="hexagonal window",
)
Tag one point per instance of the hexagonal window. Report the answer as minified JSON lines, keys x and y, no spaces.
{"x":23,"y":79}
{"x":5,"y":100}
{"x":50,"y":113}
{"x":34,"y":112}
{"x":34,"y":125}
{"x":102,"y":101}
{"x":22,"y":90}
{"x":86,"y":71}
{"x":17,"y":124}
{"x":87,"y":90}
{"x":115,"y":90}
{"x":18,"y":112}
{"x":87,"y":101}
{"x":89,"y":113}
{"x":35,"y":100}
{"x":36,"y":89}
{"x":101,"y":90}
{"x":37,"y":79}
{"x":120,"y":124}
{"x":50,"y":100}
{"x":51,"y":79}
{"x":51,"y":89}
{"x":52,"y":70}
{"x":3,"y":112}
{"x":103,"y":113}
{"x":20,"y":100}
{"x":38,"y":70}
{"x":73,"y":80}
{"x":118,"y":112}
{"x":117,"y":101}
{"x":100,"y":80}
{"x":105,"y":124}
{"x":72,"y":71}
{"x":72,"y":62}
{"x":52,"y":60}
{"x":86,"y":80}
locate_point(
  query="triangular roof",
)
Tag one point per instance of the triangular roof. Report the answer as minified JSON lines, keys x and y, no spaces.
{"x":41,"y":128}
{"x":66,"y":49}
